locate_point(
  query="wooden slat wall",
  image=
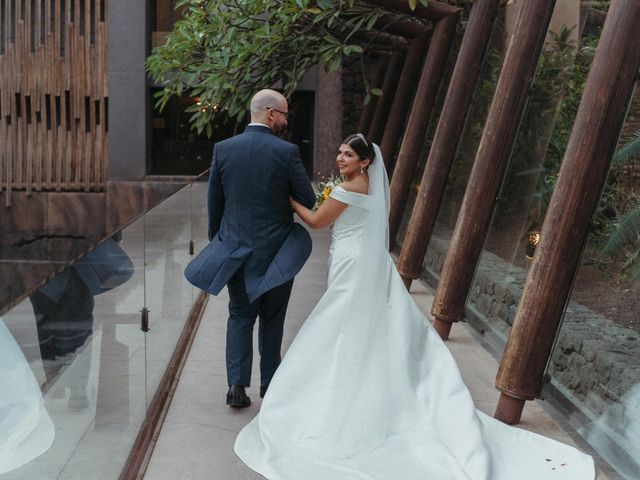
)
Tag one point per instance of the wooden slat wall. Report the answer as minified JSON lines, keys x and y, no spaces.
{"x":53,"y":95}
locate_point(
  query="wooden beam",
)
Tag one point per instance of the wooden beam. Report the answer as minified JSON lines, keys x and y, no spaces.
{"x":446,"y":139}
{"x":376,"y":40}
{"x":565,"y":230}
{"x":398,"y":25}
{"x":402,"y":99}
{"x":498,"y":138}
{"x":377,"y":82}
{"x":434,"y":11}
{"x":421,"y":112}
{"x":383,"y":105}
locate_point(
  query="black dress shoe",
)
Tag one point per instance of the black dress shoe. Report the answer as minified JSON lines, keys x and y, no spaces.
{"x":237,"y":397}
{"x":263,"y":390}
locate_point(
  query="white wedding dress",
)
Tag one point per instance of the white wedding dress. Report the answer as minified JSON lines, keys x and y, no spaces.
{"x":368,"y":391}
{"x":26,"y":430}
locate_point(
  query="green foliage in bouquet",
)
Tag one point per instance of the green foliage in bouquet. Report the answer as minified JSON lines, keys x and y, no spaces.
{"x":325,"y":186}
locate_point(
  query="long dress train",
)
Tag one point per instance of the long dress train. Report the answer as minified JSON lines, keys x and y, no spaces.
{"x":368,"y":390}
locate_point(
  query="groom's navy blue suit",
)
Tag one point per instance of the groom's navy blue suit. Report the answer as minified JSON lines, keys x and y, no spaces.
{"x":257,"y":248}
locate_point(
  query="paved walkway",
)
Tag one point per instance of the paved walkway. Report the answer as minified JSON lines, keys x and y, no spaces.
{"x":196,"y":442}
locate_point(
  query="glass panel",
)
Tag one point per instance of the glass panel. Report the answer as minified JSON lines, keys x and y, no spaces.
{"x":463,"y":161}
{"x":199,"y":213}
{"x":596,"y":359}
{"x":530,"y":177}
{"x":425,"y":147}
{"x":169,"y":296}
{"x":72,"y":378}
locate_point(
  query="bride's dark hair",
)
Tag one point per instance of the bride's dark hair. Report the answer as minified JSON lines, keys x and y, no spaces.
{"x":361,"y":145}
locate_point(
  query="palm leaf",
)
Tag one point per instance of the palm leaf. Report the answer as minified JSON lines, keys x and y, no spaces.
{"x":632,"y":266}
{"x":623,"y":230}
{"x":630,"y":151}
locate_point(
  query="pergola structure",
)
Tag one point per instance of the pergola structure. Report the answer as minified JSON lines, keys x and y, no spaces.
{"x":586,"y":163}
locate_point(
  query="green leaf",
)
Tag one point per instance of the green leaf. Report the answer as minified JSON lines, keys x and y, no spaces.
{"x":630,"y":151}
{"x":376,"y":92}
{"x":372,"y":21}
{"x":221,"y":50}
{"x":413,"y":4}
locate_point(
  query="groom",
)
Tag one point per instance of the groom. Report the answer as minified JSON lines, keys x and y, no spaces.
{"x":256,"y":246}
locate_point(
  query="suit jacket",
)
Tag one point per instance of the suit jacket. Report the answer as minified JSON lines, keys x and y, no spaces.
{"x":250,"y":219}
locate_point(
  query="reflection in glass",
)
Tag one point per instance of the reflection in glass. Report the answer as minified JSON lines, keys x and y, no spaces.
{"x":63,"y":310}
{"x":27,"y":430}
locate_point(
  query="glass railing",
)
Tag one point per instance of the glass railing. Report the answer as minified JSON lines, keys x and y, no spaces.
{"x":78,"y":365}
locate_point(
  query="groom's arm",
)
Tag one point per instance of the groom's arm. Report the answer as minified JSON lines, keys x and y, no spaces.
{"x":301,"y":189}
{"x":215,"y":201}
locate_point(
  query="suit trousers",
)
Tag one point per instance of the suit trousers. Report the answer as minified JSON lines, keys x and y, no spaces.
{"x":270,"y":308}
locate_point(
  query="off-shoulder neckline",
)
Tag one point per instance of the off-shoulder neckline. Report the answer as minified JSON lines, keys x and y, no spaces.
{"x":349,"y":191}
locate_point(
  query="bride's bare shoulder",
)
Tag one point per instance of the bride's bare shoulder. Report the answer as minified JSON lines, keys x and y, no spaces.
{"x":357,"y":185}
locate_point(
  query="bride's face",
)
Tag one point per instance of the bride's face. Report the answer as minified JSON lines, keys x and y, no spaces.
{"x":349,"y":162}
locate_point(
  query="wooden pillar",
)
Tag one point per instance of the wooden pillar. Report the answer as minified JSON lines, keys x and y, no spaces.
{"x":566,"y":226}
{"x":327,"y":135}
{"x":402,"y":98}
{"x":490,"y":164}
{"x":367,"y":111}
{"x":445,"y":141}
{"x":389,"y":88}
{"x":421,"y":111}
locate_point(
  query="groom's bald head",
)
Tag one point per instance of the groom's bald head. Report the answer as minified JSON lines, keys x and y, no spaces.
{"x":267,"y":106}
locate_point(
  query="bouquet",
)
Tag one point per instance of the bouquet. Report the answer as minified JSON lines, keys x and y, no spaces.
{"x":325,"y":186}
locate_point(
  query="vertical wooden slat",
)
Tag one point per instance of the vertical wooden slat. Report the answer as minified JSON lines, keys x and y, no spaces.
{"x":60,"y":141}
{"x":52,"y":73}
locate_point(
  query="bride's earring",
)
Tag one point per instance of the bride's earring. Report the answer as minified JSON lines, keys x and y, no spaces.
{"x":361,"y":169}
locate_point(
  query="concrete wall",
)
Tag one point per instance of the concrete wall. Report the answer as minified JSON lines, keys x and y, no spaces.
{"x":127,"y":87}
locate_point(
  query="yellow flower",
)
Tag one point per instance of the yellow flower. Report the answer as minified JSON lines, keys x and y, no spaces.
{"x":326,"y":192}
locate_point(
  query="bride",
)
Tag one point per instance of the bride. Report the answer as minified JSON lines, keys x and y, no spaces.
{"x":367,"y":389}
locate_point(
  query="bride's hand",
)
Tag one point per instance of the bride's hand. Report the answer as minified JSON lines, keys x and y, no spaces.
{"x":292,"y":202}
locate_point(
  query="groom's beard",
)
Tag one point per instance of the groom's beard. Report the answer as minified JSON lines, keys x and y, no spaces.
{"x":279,"y":128}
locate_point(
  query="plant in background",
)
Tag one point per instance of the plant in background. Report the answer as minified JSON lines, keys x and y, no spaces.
{"x":223,"y":50}
{"x":526,"y":168}
{"x":563,"y":122}
{"x":623,"y":232}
